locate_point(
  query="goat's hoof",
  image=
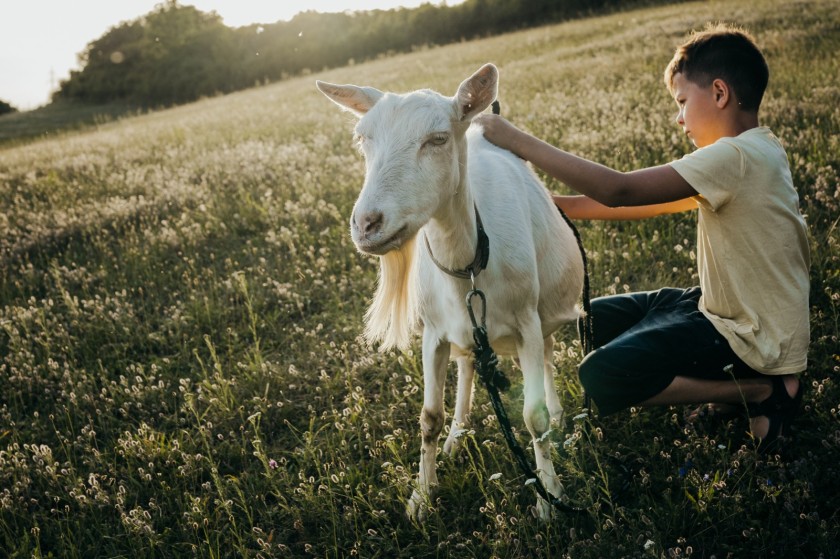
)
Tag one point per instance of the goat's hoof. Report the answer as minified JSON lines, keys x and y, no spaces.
{"x":544,"y":511}
{"x":452,"y":446}
{"x":417,"y":508}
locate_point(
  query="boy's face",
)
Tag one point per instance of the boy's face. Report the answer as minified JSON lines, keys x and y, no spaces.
{"x":697,"y":110}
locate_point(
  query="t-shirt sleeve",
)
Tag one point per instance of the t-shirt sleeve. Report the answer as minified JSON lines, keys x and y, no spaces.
{"x":715,"y":172}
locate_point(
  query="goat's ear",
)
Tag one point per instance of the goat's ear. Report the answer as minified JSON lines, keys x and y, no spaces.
{"x":358,"y":100}
{"x":477,"y":92}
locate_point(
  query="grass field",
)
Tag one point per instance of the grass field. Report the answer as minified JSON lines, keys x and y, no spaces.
{"x":57,"y":119}
{"x":181,"y":368}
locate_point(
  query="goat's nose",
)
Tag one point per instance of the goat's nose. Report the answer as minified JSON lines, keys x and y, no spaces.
{"x":369,"y":223}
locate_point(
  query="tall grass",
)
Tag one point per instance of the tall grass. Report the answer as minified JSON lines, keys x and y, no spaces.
{"x":181,"y":365}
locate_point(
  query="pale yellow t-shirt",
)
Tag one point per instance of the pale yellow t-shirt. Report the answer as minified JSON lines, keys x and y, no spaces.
{"x":752,"y":249}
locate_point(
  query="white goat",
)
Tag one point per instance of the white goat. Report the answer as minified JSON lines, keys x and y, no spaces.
{"x":419,"y":183}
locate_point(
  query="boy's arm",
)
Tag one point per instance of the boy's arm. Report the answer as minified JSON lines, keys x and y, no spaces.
{"x":653,"y":185}
{"x":583,"y":207}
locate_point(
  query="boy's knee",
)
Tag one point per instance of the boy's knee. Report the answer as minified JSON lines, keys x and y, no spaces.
{"x":589,"y":373}
{"x":603,"y":377}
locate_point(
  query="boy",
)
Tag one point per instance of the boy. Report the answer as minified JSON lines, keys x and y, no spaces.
{"x":741,"y":336}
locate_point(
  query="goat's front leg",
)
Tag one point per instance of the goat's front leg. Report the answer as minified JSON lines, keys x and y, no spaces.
{"x":463,"y":403}
{"x":531,"y":352}
{"x":435,"y":359}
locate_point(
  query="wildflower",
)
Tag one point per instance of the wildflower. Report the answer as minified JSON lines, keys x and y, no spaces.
{"x":272,"y":464}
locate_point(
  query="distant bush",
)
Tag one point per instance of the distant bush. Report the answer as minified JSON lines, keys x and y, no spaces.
{"x":6,"y":108}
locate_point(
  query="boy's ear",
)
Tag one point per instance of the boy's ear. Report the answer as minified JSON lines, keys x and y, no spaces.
{"x":722,"y":93}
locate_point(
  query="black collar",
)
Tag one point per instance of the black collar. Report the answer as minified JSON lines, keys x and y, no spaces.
{"x":482,"y":254}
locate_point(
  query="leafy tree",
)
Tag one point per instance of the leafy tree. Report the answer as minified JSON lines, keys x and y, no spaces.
{"x":174,"y":54}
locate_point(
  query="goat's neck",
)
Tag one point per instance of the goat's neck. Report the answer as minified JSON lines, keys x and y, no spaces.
{"x":452,"y":230}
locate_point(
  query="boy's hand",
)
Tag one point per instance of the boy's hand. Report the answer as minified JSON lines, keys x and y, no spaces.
{"x":499,"y":131}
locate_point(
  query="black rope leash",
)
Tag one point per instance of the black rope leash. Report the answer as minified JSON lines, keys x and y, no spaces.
{"x":586,"y":335}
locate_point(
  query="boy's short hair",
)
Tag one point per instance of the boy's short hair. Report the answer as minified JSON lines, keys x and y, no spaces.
{"x":722,"y":52}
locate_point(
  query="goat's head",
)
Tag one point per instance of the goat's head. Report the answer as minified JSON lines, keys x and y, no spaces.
{"x":415,"y":152}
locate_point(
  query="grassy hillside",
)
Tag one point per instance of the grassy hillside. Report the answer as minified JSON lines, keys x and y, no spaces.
{"x":181,"y":372}
{"x":56,"y":118}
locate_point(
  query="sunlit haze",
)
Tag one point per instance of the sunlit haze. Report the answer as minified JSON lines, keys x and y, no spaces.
{"x":40,"y":39}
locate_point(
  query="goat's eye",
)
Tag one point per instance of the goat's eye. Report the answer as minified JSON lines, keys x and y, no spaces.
{"x":437,"y":140}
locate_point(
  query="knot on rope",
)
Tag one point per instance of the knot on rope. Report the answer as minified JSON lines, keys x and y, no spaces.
{"x":485,"y":358}
{"x":486,"y":361}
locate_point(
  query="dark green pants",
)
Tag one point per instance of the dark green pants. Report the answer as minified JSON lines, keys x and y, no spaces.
{"x":643,"y":340}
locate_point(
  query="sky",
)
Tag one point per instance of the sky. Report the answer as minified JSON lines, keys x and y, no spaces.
{"x":40,"y":39}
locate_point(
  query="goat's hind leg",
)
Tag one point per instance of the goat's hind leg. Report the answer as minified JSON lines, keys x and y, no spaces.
{"x":536,"y":413}
{"x":552,"y":399}
{"x":463,"y":403}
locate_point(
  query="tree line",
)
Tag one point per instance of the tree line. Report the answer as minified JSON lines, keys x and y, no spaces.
{"x":177,"y":53}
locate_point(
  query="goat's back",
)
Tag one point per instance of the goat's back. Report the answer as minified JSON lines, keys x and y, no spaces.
{"x":526,"y":230}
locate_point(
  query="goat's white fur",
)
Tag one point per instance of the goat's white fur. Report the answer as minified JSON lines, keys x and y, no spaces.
{"x":418,"y":183}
